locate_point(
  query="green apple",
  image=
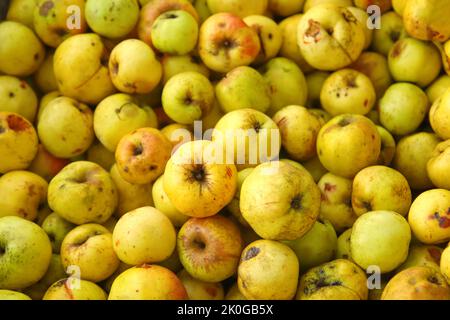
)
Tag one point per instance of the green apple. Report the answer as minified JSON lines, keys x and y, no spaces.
{"x":56,"y":228}
{"x":13,"y":295}
{"x":173,"y":65}
{"x":343,"y":245}
{"x":201,"y":6}
{"x":388,"y":146}
{"x":209,"y":248}
{"x":83,"y":192}
{"x":438,"y":167}
{"x":436,"y":89}
{"x":380,"y":238}
{"x":44,"y":77}
{"x":314,"y":83}
{"x":237,"y":7}
{"x":201,"y":290}
{"x":65,"y":289}
{"x":25,"y":253}
{"x":98,"y":154}
{"x":18,"y":97}
{"x":439,"y":115}
{"x":392,"y":30}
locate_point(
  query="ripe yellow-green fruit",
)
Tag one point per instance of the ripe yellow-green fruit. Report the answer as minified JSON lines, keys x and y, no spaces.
{"x":22,"y":11}
{"x":18,"y":97}
{"x":438,"y":167}
{"x":343,"y":245}
{"x":422,"y":256}
{"x":13,"y":295}
{"x":201,"y":290}
{"x":238,"y":7}
{"x":438,"y":88}
{"x":74,"y":289}
{"x":440,"y":115}
{"x":173,"y":65}
{"x":45,"y":76}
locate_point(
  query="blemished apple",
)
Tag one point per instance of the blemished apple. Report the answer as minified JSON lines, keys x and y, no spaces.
{"x":21,"y":11}
{"x":429,"y":216}
{"x":439,"y":115}
{"x":226,"y":42}
{"x":22,"y":193}
{"x":25,"y":253}
{"x":187,"y":96}
{"x":392,"y":30}
{"x":268,"y":270}
{"x":144,"y":235}
{"x":350,"y":136}
{"x":17,"y":96}
{"x":328,"y":30}
{"x":56,"y":228}
{"x":339,"y":279}
{"x":380,"y":188}
{"x":362,"y":17}
{"x":438,"y":88}
{"x":65,"y":289}
{"x":134,"y":68}
{"x":83,"y":192}
{"x":44,"y":77}
{"x":380,"y":238}
{"x":141,"y":155}
{"x":197,"y":182}
{"x":46,"y":165}
{"x":173,"y":65}
{"x":18,"y":142}
{"x":65,"y":127}
{"x":209,"y":248}
{"x":422,"y":256}
{"x":201,"y":290}
{"x":347,"y":91}
{"x":388,"y":146}
{"x":438,"y":167}
{"x":280,"y":201}
{"x":343,"y":245}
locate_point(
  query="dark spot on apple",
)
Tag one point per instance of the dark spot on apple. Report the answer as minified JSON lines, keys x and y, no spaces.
{"x":329,"y":187}
{"x":394,"y":35}
{"x":251,"y":253}
{"x":188,"y":100}
{"x":36,"y":56}
{"x":367,"y":205}
{"x":152,"y":167}
{"x":196,"y":60}
{"x":199,"y":243}
{"x":222,"y":25}
{"x":126,"y":169}
{"x":169,"y":16}
{"x":61,"y":32}
{"x":2,"y":129}
{"x":435,"y":254}
{"x":93,"y":44}
{"x":76,"y":151}
{"x":270,"y":35}
{"x":348,"y":16}
{"x":228,"y":43}
{"x":229,"y":172}
{"x":345,"y":256}
{"x":45,"y":8}
{"x":366,"y":102}
{"x":138,"y":150}
{"x":23,"y":84}
{"x":296,"y":202}
{"x":115,"y":67}
{"x":313,"y":30}
{"x":2,"y":250}
{"x":433,"y":280}
{"x":397,"y":49}
{"x":198,"y":173}
{"x":257,"y":126}
{"x":330,"y":31}
{"x":344,"y":122}
{"x":11,"y":95}
{"x":17,"y":123}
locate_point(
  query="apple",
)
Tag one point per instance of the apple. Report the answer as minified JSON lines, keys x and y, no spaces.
{"x":18,"y":97}
{"x":438,"y":167}
{"x":201,"y":290}
{"x":226,"y":42}
{"x":328,"y":30}
{"x":187,"y":96}
{"x":106,"y":285}
{"x":65,"y":127}
{"x":18,"y":142}
{"x":241,"y":88}
{"x":178,"y":134}
{"x":44,"y":77}
{"x":234,"y":293}
{"x":384,"y":5}
{"x":285,"y":8}
{"x":144,"y":235}
{"x":417,"y":283}
{"x":339,"y":279}
{"x":175,"y":64}
{"x":64,"y":289}
{"x":134,"y":68}
{"x":21,"y":11}
{"x":45,"y":101}
{"x":233,"y":206}
{"x":436,"y":89}
{"x":147,"y":282}
{"x":250,"y":7}
{"x":98,"y":154}
{"x":118,"y":115}
{"x":25,"y":253}
{"x":142,"y":155}
{"x":314,"y":83}
{"x":439,"y":115}
{"x":21,"y":52}
{"x":444,"y":266}
{"x":312,"y":3}
{"x":414,"y":61}
{"x":13,"y":295}
{"x":422,"y":256}
{"x":173,"y":262}
{"x":201,"y":6}
{"x":335,"y":205}
{"x":399,"y":6}
{"x":280,"y":201}
{"x":89,"y":82}
{"x":209,"y":248}
{"x":380,"y":188}
{"x":210,"y":120}
{"x":411,"y":157}
{"x":287,"y":84}
{"x":196,"y":181}
{"x":388,"y":146}
{"x":56,"y":228}
{"x":429,"y":216}
{"x":299,"y":129}
{"x":268,"y":270}
{"x":380,"y":238}
{"x":46,"y":165}
{"x":351,"y":137}
{"x":347,"y":91}
{"x":343,"y":250}
{"x":392,"y":30}
{"x":315,"y":168}
{"x":130,"y":196}
{"x":54,"y":20}
{"x":83,"y":192}
{"x":361,"y":14}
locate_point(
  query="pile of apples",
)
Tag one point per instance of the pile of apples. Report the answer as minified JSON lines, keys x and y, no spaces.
{"x":112,"y":113}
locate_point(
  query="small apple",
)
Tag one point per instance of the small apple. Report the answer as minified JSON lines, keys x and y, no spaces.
{"x":343,"y":250}
{"x":422,"y":256}
{"x":392,"y":30}
{"x":98,"y":154}
{"x":237,"y":7}
{"x":388,"y":146}
{"x":314,"y":83}
{"x":21,"y":11}
{"x":436,"y":89}
{"x":438,"y":167}
{"x":285,"y":8}
{"x":173,"y":65}
{"x":201,"y":290}
{"x":56,"y":228}
{"x":439,"y":115}
{"x":44,"y":77}
{"x":46,"y":165}
{"x":65,"y":289}
{"x":13,"y":295}
{"x":18,"y":97}
{"x":233,"y":206}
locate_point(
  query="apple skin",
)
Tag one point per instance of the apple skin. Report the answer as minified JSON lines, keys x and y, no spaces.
{"x":138,"y":235}
{"x":18,"y":97}
{"x":339,"y":279}
{"x":438,"y":167}
{"x":234,"y":293}
{"x":384,"y":5}
{"x":226,"y":42}
{"x":444,"y":265}
{"x":201,"y":290}
{"x":18,"y":142}
{"x":175,"y":64}
{"x":192,"y":167}
{"x":187,"y":96}
{"x":83,"y":192}
{"x":380,"y":188}
{"x":312,"y":3}
{"x":56,"y":228}
{"x":21,"y":11}
{"x":380,"y":238}
{"x":287,"y":84}
{"x":142,"y":155}
{"x":233,"y":206}
{"x":356,"y":138}
{"x":46,"y":165}
{"x":237,"y":7}
{"x":335,"y":205}
{"x":22,"y":193}
{"x":241,"y":88}
{"x":345,"y":43}
{"x":414,"y":61}
{"x":411,"y":157}
{"x":26,"y":253}
{"x":268,"y":270}
{"x":347,"y":91}
{"x":13,"y":295}
{"x":392,"y":30}
{"x":429,"y":216}
{"x":388,"y":146}
{"x":417,"y":283}
{"x":98,"y":154}
{"x":44,"y":77}
{"x":117,"y":116}
{"x":65,"y":127}
{"x":422,"y":256}
{"x":436,"y":89}
{"x":399,"y":6}
{"x":209,"y":248}
{"x":343,"y":250}
{"x":45,"y":101}
{"x":62,"y":290}
{"x":280,"y":201}
{"x":89,"y":82}
{"x":147,"y":282}
{"x":439,"y":115}
{"x":362,"y":16}
{"x":285,"y":8}
{"x":178,"y":134}
{"x":21,"y":52}
{"x":314,"y":83}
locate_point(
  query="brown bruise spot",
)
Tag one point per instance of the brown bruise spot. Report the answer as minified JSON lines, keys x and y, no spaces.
{"x":435,"y":254}
{"x":345,"y":122}
{"x":212,"y":291}
{"x":313,"y":31}
{"x":444,"y":222}
{"x":23,"y":84}
{"x":366,"y":102}
{"x":17,"y":123}
{"x":397,"y":49}
{"x":115,"y":68}
{"x":251,"y":253}
{"x":45,"y":8}
{"x":434,"y":280}
{"x":2,"y":129}
{"x":329,"y":187}
{"x":348,"y":16}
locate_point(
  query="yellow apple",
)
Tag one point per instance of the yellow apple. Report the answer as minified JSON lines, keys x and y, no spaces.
{"x":201,"y":290}
{"x":66,"y":289}
{"x":18,"y":97}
